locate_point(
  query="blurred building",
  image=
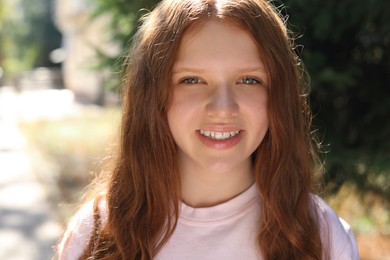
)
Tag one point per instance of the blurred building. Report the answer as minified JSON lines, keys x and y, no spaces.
{"x":82,"y":36}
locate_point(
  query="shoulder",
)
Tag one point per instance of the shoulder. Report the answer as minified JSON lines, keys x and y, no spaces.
{"x":336,"y":233}
{"x":79,"y":230}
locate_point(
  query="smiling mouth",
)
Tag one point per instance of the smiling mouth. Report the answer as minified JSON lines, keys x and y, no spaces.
{"x":219,"y":135}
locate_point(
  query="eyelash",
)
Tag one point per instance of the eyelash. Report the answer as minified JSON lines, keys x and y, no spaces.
{"x":252,"y":81}
{"x":245,"y":80}
{"x":191,"y":80}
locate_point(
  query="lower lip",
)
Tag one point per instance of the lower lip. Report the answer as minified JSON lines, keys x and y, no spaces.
{"x":220,"y":144}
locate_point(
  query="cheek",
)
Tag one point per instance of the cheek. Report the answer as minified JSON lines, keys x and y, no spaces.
{"x":255,"y":104}
{"x":171,"y":115}
{"x":184,"y":107}
{"x":256,"y":111}
{"x":179,"y":113}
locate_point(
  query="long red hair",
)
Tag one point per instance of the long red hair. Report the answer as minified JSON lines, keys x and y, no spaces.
{"x":144,"y":189}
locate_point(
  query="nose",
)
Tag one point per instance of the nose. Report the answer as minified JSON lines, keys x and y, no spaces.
{"x":222,"y":103}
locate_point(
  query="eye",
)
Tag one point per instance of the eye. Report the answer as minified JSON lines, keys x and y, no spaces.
{"x":191,"y":80}
{"x":249,"y":81}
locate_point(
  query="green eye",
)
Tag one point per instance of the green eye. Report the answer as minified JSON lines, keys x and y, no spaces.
{"x":249,"y":80}
{"x":191,"y":80}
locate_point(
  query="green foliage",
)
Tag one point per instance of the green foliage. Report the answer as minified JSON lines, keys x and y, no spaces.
{"x":347,"y":53}
{"x":124,"y":16}
{"x":124,"y":13}
{"x":345,"y":46}
{"x":1,"y":12}
{"x":27,"y":35}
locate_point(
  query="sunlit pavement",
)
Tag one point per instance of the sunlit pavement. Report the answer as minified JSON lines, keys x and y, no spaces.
{"x":28,"y":226}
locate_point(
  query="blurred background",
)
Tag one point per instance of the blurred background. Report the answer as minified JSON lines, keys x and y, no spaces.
{"x":60,"y":68}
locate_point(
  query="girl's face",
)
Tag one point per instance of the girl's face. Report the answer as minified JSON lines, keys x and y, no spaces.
{"x":218,"y":115}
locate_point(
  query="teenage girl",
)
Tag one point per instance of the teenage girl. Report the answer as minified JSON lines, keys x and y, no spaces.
{"x":216,"y":159}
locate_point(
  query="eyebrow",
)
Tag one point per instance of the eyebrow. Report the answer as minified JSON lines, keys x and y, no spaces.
{"x":187,"y":69}
{"x":197,"y":70}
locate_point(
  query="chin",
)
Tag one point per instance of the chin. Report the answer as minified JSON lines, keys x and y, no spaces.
{"x":224,"y":166}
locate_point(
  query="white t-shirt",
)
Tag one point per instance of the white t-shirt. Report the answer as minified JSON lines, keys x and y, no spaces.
{"x":225,"y":231}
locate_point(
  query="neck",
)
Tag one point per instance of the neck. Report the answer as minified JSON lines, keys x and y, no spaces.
{"x":203,"y":187}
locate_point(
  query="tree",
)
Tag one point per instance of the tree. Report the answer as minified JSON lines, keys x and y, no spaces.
{"x":27,"y":35}
{"x":347,"y":53}
{"x":345,"y":46}
{"x":124,"y":16}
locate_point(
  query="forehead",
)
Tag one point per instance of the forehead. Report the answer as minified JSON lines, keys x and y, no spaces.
{"x":217,"y":41}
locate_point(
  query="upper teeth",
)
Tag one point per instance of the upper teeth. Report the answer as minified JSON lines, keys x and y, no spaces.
{"x":219,"y":135}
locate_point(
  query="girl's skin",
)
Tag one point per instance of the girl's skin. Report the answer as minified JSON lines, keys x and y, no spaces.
{"x":219,"y":86}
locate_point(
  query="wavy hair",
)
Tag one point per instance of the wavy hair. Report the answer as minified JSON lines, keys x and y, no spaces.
{"x":144,"y":189}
